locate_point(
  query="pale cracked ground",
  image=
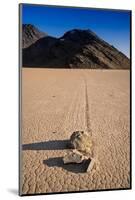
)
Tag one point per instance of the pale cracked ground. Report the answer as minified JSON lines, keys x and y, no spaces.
{"x":56,"y":102}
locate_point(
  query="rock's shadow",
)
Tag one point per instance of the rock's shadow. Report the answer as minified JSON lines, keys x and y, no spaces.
{"x":48,"y":145}
{"x":57,"y":161}
{"x":75,"y":168}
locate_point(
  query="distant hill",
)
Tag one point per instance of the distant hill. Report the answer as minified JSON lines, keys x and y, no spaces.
{"x":75,"y":49}
{"x":30,"y":34}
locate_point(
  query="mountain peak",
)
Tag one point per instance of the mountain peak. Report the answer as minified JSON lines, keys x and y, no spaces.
{"x":79,"y":33}
{"x":28,"y":26}
{"x":30,"y":34}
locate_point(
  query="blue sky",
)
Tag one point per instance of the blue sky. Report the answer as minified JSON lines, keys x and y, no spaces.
{"x":111,"y":25}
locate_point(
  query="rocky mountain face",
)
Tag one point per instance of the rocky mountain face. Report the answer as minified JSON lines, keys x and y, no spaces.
{"x":75,"y":49}
{"x":30,"y":34}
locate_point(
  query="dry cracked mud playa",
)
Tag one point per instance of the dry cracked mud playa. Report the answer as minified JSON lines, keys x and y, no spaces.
{"x":57,"y":102}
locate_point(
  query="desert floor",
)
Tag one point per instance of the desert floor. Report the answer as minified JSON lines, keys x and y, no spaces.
{"x":57,"y":102}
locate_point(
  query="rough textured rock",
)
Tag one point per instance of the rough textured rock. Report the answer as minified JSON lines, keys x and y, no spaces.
{"x":75,"y":49}
{"x":73,"y":157}
{"x":30,"y":34}
{"x":81,"y":141}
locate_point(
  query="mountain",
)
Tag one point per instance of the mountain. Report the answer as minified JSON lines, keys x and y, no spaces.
{"x":30,"y":34}
{"x":75,"y":49}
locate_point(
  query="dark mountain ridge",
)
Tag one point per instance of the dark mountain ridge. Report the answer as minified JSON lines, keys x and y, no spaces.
{"x":75,"y":49}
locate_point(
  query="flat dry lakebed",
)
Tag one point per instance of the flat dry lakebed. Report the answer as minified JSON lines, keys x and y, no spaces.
{"x":57,"y":102}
